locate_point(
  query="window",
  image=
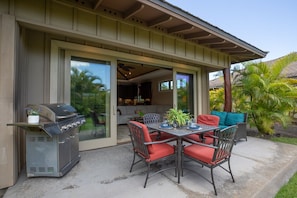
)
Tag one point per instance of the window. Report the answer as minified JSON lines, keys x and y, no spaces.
{"x":166,"y":85}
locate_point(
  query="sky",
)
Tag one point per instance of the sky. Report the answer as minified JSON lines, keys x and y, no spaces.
{"x":270,"y":25}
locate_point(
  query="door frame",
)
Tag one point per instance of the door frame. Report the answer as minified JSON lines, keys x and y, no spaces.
{"x":61,"y":53}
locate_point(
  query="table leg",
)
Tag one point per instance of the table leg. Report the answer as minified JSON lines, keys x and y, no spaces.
{"x":179,"y":158}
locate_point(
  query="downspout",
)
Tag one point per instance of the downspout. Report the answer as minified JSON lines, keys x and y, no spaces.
{"x":227,"y":89}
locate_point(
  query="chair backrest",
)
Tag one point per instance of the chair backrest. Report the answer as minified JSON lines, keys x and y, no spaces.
{"x":208,"y":119}
{"x":139,"y":136}
{"x":224,"y":144}
{"x":151,"y":118}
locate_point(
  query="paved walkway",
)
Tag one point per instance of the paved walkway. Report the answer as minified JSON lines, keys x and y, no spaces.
{"x":260,"y":168}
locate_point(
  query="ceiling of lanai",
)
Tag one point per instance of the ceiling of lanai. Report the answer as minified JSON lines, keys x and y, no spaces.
{"x":172,"y":20}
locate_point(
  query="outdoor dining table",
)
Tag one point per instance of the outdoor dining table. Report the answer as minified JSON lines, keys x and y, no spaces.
{"x":181,"y":132}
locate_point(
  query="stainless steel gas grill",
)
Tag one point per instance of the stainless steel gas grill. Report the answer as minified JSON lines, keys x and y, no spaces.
{"x":52,"y":145}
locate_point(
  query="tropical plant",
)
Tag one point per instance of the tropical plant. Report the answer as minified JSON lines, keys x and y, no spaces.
{"x":86,"y":95}
{"x":267,"y":96}
{"x":217,"y":100}
{"x":177,"y":116}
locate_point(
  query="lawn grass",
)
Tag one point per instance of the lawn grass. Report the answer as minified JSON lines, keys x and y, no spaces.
{"x":289,"y":189}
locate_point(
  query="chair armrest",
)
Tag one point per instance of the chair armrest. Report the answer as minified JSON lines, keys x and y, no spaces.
{"x":199,"y":143}
{"x":161,"y":141}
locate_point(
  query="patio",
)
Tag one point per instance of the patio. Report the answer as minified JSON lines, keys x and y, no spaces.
{"x":256,"y":166}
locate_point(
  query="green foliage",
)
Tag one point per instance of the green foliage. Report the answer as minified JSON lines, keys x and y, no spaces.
{"x":217,"y":99}
{"x":287,"y":140}
{"x":267,"y":96}
{"x":289,"y":190}
{"x":177,"y":116}
{"x":86,"y":95}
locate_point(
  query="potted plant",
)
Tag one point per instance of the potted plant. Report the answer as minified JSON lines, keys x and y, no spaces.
{"x":33,"y":116}
{"x":177,"y":117}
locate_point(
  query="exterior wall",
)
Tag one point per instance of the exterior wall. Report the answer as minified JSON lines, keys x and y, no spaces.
{"x":161,"y":98}
{"x":26,"y":67}
{"x":112,"y":31}
{"x":7,"y":71}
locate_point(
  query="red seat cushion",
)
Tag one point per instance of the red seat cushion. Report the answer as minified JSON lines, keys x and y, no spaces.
{"x":195,"y":137}
{"x":161,"y":150}
{"x":201,"y":153}
{"x":155,"y":150}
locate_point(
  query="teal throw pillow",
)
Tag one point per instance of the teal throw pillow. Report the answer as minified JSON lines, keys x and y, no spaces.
{"x":221,"y":114}
{"x":234,"y":118}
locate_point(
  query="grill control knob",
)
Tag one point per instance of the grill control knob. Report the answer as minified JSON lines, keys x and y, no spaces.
{"x":64,"y":128}
{"x":74,"y":124}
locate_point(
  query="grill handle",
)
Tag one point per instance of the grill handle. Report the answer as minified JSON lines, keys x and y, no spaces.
{"x":66,"y":116}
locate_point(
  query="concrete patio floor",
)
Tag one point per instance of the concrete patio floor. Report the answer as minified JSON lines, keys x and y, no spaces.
{"x":260,"y":167}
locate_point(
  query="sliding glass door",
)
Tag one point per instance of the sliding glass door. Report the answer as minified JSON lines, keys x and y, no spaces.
{"x":185,"y":92}
{"x":90,"y":84}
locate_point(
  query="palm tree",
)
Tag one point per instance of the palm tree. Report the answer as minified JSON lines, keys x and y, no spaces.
{"x":84,"y":91}
{"x":268,"y":96}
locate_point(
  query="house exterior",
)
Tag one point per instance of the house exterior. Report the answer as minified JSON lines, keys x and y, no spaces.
{"x":39,"y":39}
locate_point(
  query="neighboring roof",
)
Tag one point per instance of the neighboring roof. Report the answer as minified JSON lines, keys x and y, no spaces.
{"x":290,"y":72}
{"x":165,"y":17}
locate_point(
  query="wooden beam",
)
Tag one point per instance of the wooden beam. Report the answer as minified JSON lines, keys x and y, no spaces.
{"x":211,"y":41}
{"x":180,"y":28}
{"x":223,"y":46}
{"x":160,"y":20}
{"x":197,"y":35}
{"x":97,"y":4}
{"x":227,"y":89}
{"x":234,"y":50}
{"x":133,"y":10}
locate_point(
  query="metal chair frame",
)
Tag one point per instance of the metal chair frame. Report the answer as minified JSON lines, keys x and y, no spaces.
{"x":222,"y":152}
{"x":140,"y":149}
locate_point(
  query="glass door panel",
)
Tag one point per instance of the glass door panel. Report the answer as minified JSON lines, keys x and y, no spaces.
{"x":185,"y":92}
{"x":90,"y":95}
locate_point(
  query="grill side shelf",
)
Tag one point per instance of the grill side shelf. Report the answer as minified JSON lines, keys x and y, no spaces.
{"x":30,"y":127}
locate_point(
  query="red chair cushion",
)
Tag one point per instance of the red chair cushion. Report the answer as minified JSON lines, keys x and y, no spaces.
{"x":195,"y":137}
{"x":211,"y":120}
{"x":146,"y":134}
{"x":160,"y":150}
{"x":202,"y":153}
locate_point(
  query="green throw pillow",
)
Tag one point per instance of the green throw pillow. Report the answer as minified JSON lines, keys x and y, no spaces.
{"x":234,"y":118}
{"x":221,"y":114}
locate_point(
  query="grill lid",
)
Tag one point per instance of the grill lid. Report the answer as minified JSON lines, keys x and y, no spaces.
{"x":55,"y":111}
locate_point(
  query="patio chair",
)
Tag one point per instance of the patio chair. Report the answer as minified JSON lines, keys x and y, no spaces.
{"x":207,"y":119}
{"x":154,"y":118}
{"x":213,"y":156}
{"x":148,"y":151}
{"x":99,"y":125}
